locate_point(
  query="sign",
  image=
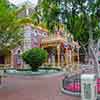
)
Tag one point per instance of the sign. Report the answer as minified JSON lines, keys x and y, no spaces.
{"x":87,"y":89}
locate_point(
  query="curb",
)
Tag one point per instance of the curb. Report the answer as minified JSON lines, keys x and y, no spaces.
{"x":37,"y":74}
{"x":54,"y":74}
{"x":70,"y":93}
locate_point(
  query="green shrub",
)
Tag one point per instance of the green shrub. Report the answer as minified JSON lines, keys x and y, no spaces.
{"x":35,"y":57}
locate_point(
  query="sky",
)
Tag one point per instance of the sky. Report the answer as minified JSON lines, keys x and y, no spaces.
{"x":19,"y":2}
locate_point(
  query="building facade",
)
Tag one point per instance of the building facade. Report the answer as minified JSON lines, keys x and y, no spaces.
{"x":62,"y":50}
{"x":61,"y":47}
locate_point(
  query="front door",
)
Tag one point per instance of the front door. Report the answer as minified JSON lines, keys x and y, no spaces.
{"x":2,"y":60}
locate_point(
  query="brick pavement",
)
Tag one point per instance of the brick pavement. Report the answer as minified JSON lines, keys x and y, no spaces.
{"x":33,"y":88}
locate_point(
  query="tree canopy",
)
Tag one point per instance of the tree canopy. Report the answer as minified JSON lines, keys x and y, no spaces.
{"x":10,"y":30}
{"x":77,"y":16}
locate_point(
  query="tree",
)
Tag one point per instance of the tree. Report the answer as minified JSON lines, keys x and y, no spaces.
{"x":46,"y":14}
{"x":10,"y":31}
{"x":74,"y":14}
{"x":77,"y":16}
{"x":35,"y":57}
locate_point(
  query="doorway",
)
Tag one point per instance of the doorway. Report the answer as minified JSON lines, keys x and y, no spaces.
{"x":2,"y":60}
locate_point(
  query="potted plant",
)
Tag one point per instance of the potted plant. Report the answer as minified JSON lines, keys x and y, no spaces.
{"x":35,"y":57}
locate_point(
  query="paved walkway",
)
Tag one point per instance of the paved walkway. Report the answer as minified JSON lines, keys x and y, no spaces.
{"x":33,"y":88}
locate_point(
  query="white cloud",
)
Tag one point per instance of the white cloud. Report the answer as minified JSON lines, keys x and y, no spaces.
{"x":19,"y":2}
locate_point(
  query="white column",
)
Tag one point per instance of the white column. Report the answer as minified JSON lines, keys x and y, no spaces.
{"x":58,"y":55}
{"x":12,"y":59}
{"x":67,"y":58}
{"x":27,"y":12}
{"x":49,"y":60}
{"x":70,"y":56}
{"x":62,"y":60}
{"x":78,"y":56}
{"x":53,"y":60}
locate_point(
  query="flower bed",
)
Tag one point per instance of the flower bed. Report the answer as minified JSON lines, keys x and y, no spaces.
{"x":76,"y":86}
